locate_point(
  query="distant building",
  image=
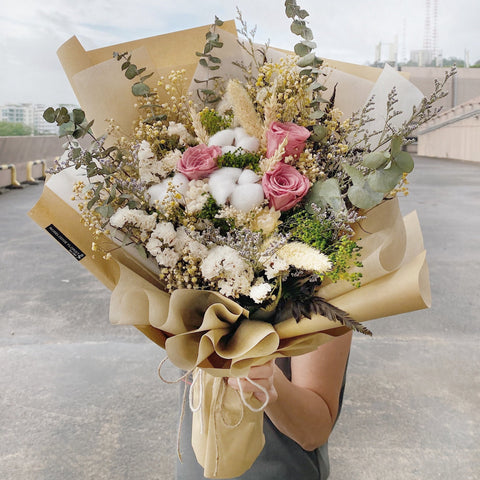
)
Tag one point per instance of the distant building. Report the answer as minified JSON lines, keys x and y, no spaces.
{"x":30,"y":114}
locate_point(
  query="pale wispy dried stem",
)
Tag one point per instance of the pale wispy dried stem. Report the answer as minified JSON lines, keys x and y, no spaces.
{"x":200,"y":131}
{"x":244,"y":110}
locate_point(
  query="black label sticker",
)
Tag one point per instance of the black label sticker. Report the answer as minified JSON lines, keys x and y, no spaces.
{"x":63,"y":240}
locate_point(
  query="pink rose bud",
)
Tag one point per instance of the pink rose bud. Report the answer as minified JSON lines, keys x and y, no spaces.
{"x":284,"y":186}
{"x":199,"y":162}
{"x":296,"y":138}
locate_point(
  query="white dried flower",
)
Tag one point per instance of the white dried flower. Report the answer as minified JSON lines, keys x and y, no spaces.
{"x":304,"y":257}
{"x":138,"y":218}
{"x":259,"y":293}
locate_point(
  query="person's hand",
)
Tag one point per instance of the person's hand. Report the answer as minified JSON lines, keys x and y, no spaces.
{"x":263,"y":376}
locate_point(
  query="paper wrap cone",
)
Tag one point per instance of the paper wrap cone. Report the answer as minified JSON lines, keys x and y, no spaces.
{"x":201,"y":329}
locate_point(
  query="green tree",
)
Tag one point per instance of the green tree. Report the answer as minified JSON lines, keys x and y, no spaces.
{"x":10,"y":129}
{"x":448,"y":62}
{"x":476,"y":64}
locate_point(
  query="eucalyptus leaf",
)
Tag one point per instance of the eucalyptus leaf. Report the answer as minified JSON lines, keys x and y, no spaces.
{"x":78,"y":116}
{"x":375,"y":160}
{"x":215,"y":60}
{"x":131,"y":71}
{"x":396,"y":145}
{"x":301,"y":50}
{"x":141,"y":250}
{"x":297,"y":27}
{"x":404,"y":161}
{"x":364,"y":197}
{"x":306,"y":60}
{"x":139,"y":89}
{"x":307,"y":34}
{"x":203,"y":62}
{"x":317,"y":115}
{"x":384,"y":180}
{"x":303,"y":14}
{"x":355,"y":174}
{"x":325,"y":193}
{"x":319,"y":133}
{"x":49,"y":115}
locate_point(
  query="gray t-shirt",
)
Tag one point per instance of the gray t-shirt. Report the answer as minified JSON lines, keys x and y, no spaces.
{"x":281,"y":458}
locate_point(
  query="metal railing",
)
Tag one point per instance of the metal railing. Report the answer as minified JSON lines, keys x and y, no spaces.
{"x":14,"y":183}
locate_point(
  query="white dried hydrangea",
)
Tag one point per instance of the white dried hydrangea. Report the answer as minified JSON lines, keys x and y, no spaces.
{"x":144,"y":221}
{"x":150,"y":168}
{"x":182,"y":132}
{"x":260,"y":292}
{"x":274,"y":266}
{"x":196,"y":196}
{"x":232,"y":274}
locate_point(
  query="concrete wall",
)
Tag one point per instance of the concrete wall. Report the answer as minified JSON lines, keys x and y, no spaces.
{"x":20,"y":150}
{"x":453,"y":134}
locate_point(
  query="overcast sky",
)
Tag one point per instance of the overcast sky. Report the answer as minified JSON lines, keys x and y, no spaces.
{"x":348,"y":30}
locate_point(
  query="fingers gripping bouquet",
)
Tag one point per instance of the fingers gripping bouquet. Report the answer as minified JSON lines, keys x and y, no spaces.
{"x":244,"y":216}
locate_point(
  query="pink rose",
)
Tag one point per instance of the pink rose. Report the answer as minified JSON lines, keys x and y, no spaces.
{"x":199,"y":162}
{"x":295,"y":134}
{"x":284,"y":186}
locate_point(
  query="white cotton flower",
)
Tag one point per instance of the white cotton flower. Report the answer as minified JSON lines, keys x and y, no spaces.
{"x":248,"y":176}
{"x":233,"y":139}
{"x":161,"y":191}
{"x":259,"y":293}
{"x":222,"y":182}
{"x":304,"y":257}
{"x":224,"y":185}
{"x":222,"y":138}
{"x":247,"y":197}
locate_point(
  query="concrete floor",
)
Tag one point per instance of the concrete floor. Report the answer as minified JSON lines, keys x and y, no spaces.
{"x":80,"y":399}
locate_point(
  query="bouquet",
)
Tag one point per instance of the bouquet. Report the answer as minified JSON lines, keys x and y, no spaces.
{"x":236,"y":213}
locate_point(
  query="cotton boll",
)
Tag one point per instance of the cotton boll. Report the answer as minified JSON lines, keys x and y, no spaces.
{"x":247,"y":197}
{"x":249,"y":144}
{"x":228,"y":149}
{"x":222,"y":182}
{"x":180,"y":181}
{"x":159,"y":191}
{"x":239,"y":133}
{"x":231,"y":174}
{"x":222,"y":138}
{"x":248,"y":176}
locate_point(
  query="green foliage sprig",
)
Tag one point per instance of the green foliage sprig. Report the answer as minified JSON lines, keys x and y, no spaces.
{"x":213,"y":122}
{"x":139,"y":88}
{"x":344,"y":256}
{"x":73,"y":123}
{"x":240,"y":159}
{"x":207,"y":95}
{"x":309,"y":62}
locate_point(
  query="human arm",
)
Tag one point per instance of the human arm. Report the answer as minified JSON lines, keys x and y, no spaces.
{"x":305,"y":408}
